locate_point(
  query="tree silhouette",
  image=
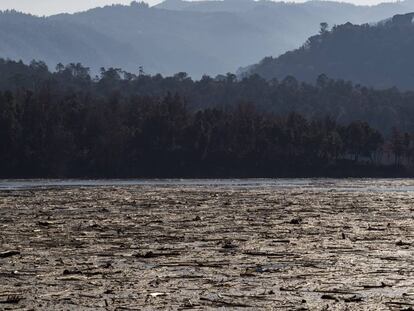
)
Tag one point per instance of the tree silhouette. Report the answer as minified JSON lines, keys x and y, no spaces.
{"x":66,"y":124}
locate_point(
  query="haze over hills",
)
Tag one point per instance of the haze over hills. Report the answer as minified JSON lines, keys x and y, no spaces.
{"x":374,"y":55}
{"x":28,"y":37}
{"x":208,"y":37}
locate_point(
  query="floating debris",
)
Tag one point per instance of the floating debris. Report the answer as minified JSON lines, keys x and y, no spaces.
{"x":208,"y":247}
{"x":9,"y":254}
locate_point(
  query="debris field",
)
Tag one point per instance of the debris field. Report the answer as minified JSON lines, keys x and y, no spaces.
{"x":200,"y":247}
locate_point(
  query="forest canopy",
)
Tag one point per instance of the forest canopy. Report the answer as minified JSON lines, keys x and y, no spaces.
{"x":378,"y":55}
{"x":66,"y":123}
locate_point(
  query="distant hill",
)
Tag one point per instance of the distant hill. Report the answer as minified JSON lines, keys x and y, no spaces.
{"x":375,"y":55}
{"x":207,"y":37}
{"x":28,"y":37}
{"x":211,"y":6}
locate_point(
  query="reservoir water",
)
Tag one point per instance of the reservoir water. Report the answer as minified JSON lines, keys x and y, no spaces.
{"x":351,"y":184}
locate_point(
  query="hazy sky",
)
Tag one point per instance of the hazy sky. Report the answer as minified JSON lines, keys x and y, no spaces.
{"x":47,"y":7}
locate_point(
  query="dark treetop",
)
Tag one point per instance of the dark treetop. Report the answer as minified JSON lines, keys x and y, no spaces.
{"x":67,"y":124}
{"x":379,"y":55}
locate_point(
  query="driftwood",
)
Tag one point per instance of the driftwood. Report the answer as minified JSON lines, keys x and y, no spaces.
{"x":9,"y":254}
{"x":11,"y":299}
{"x":223,"y":303}
{"x":183,"y":247}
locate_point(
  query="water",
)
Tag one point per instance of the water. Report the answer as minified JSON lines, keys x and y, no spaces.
{"x":365,"y":185}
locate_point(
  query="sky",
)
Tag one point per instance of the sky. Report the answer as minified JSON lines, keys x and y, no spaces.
{"x":49,"y":7}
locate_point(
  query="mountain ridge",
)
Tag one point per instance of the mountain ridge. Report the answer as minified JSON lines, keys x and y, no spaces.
{"x":374,"y":55}
{"x":196,"y":40}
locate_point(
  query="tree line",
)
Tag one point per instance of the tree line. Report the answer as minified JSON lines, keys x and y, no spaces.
{"x":69,"y":124}
{"x":378,"y":55}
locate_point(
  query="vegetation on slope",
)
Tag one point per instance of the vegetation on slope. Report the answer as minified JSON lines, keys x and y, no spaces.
{"x":66,"y":124}
{"x":375,"y":55}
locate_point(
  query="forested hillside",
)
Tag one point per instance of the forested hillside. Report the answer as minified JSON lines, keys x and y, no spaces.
{"x":66,"y":124}
{"x":207,"y":37}
{"x":378,"y":55}
{"x":28,"y":37}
